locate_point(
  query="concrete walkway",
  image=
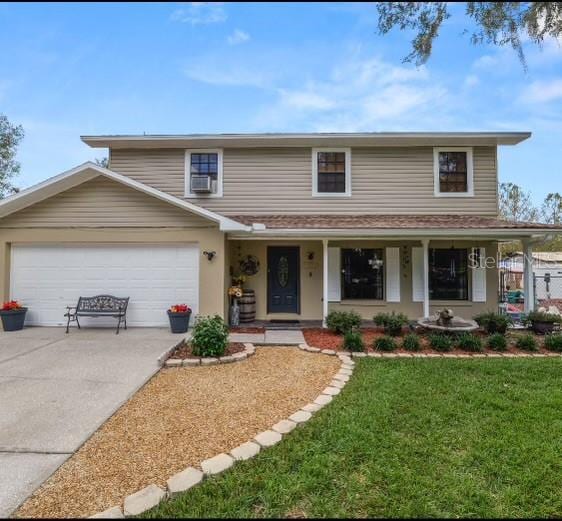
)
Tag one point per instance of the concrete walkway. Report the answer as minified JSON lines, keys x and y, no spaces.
{"x":57,"y":389}
{"x":271,"y":336}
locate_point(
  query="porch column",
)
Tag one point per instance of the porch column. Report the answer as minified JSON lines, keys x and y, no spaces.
{"x":324,"y":281}
{"x":425,"y":244}
{"x":528,"y":275}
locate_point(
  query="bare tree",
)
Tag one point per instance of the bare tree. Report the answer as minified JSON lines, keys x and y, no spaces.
{"x":516,"y":204}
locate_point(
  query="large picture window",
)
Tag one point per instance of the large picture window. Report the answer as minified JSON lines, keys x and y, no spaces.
{"x":448,"y":274}
{"x":362,"y":273}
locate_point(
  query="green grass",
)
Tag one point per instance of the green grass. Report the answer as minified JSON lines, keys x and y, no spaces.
{"x":430,"y":438}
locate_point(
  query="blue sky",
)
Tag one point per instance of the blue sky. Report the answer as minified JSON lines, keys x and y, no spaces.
{"x":72,"y":69}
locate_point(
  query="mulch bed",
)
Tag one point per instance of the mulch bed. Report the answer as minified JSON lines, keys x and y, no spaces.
{"x":178,"y":419}
{"x":325,"y":339}
{"x":185,"y":351}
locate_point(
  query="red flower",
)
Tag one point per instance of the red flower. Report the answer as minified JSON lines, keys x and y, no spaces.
{"x":11,"y":305}
{"x":180,"y":308}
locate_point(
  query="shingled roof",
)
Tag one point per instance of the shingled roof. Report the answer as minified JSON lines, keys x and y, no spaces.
{"x":386,"y":222}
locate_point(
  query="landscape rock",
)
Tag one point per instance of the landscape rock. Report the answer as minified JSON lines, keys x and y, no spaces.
{"x":300,"y":416}
{"x":184,"y":480}
{"x":284,"y":426}
{"x":268,"y":438}
{"x":143,"y":500}
{"x":245,"y":451}
{"x":217,"y":464}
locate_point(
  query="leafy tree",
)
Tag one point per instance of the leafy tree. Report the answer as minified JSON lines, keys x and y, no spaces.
{"x":498,"y":23}
{"x":102,"y":161}
{"x":552,"y":208}
{"x":516,"y":204}
{"x":10,"y":137}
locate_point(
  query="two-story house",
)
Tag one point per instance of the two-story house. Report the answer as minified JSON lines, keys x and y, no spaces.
{"x":367,"y":221}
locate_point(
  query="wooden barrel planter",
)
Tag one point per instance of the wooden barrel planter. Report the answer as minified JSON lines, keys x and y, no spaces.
{"x":247,"y":303}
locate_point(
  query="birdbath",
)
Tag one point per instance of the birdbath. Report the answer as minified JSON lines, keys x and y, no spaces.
{"x":445,"y":321}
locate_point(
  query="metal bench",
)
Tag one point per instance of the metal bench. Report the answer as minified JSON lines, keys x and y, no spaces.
{"x":98,"y":306}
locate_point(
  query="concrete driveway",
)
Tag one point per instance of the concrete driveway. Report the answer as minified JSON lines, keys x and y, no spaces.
{"x":57,"y":389}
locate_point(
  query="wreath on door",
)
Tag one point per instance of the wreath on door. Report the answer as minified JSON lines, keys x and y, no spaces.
{"x":249,"y":265}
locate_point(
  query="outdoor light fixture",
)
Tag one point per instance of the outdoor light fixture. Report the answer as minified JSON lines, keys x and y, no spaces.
{"x":210,"y":255}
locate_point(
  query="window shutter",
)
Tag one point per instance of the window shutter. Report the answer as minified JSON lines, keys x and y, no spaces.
{"x":392,"y":274}
{"x":478,"y":275}
{"x":334,"y":275}
{"x":417,"y":274}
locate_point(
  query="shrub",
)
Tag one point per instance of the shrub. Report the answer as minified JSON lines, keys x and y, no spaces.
{"x":553,"y":342}
{"x":542,"y":316}
{"x":384,"y":343}
{"x":493,"y":322}
{"x":353,"y":341}
{"x":411,"y":342}
{"x":497,"y":342}
{"x":209,"y":336}
{"x":391,"y":322}
{"x":343,"y":321}
{"x":469,"y":342}
{"x":440,"y":342}
{"x":527,"y":342}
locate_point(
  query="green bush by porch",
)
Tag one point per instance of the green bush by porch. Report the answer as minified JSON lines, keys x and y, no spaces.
{"x":409,"y":438}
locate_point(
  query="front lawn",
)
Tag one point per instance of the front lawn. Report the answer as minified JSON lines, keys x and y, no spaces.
{"x":437,"y":437}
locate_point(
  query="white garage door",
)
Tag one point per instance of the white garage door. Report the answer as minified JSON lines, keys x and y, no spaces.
{"x":47,"y":278}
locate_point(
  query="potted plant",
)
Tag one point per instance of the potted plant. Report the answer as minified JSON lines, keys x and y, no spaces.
{"x":13,"y":315}
{"x":179,"y":315}
{"x":542,"y":322}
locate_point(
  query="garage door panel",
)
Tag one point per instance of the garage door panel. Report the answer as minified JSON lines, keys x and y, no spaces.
{"x":49,"y":278}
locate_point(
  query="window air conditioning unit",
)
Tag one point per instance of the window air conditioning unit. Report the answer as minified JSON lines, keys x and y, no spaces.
{"x":201,"y":184}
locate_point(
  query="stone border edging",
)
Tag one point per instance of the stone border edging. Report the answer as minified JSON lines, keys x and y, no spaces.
{"x":249,"y":350}
{"x":150,"y":496}
{"x":454,"y":355}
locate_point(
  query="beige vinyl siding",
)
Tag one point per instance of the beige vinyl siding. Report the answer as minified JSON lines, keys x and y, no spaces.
{"x":385,"y":180}
{"x":102,"y":202}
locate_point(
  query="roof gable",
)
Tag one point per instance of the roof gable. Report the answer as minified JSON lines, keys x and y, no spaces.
{"x":88,"y":171}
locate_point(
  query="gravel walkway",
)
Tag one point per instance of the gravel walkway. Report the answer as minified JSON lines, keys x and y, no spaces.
{"x":179,"y":418}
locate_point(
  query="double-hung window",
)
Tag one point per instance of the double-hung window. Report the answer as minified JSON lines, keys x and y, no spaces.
{"x":362,"y":273}
{"x":203,"y":173}
{"x":453,"y":172}
{"x":331,"y":172}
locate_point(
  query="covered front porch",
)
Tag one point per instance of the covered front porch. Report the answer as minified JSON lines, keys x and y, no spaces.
{"x":410,"y":266}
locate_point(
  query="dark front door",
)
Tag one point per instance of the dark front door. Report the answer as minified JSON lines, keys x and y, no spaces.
{"x":283,"y":279}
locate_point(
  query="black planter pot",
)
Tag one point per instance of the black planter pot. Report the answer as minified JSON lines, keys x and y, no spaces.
{"x":179,"y":322}
{"x":13,"y":319}
{"x":543,"y":328}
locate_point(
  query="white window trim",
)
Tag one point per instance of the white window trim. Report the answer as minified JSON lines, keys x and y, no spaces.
{"x":347,"y":192}
{"x":469,"y":172}
{"x":187,"y":174}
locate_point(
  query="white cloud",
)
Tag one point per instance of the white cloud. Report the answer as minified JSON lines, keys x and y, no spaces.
{"x":237,"y":37}
{"x":471,"y":81}
{"x":542,"y":91}
{"x":228,"y":75}
{"x":305,"y":100}
{"x":360,"y":94}
{"x":200,"y":13}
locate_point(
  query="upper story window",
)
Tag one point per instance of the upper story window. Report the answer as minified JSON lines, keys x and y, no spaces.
{"x":203,"y":173}
{"x":453,"y":172}
{"x":331,"y":172}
